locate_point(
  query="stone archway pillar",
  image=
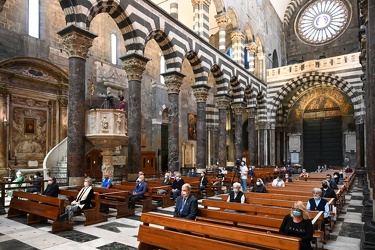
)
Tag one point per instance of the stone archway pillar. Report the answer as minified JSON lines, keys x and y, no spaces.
{"x":238,"y":146}
{"x":134,"y":66}
{"x":77,"y":42}
{"x":252,"y":136}
{"x":222,"y":103}
{"x":173,"y":81}
{"x":201,"y":93}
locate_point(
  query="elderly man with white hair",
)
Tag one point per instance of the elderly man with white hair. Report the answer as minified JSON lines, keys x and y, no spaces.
{"x":236,"y":195}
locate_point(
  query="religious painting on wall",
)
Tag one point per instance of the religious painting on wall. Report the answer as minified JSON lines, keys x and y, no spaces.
{"x":29,"y":126}
{"x":192,"y":126}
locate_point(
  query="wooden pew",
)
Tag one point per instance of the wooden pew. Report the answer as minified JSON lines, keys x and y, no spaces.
{"x":261,"y":217}
{"x":206,"y":236}
{"x":113,"y":198}
{"x":146,"y":201}
{"x":93,"y":215}
{"x":39,"y":208}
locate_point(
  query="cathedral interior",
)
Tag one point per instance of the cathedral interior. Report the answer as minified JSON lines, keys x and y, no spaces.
{"x":205,"y":82}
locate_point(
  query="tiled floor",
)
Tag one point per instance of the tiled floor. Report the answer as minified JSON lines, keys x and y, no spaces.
{"x":122,"y":233}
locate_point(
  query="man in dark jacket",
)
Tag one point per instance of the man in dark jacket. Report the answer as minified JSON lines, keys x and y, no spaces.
{"x":177,"y":186}
{"x":186,"y":204}
{"x":327,"y":192}
{"x":139,"y":190}
{"x":52,"y":188}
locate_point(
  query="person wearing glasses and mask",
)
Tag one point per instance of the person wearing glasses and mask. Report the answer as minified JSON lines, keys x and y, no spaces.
{"x":236,"y":195}
{"x":298,"y":224}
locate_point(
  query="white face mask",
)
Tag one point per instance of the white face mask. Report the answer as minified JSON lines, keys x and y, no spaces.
{"x":86,"y":184}
{"x":202,"y":174}
{"x":18,"y":175}
{"x":49,"y":182}
{"x":166,"y":177}
{"x":183,"y":193}
{"x":258,"y":183}
{"x":235,"y":190}
{"x":35,"y":176}
{"x":177,"y":178}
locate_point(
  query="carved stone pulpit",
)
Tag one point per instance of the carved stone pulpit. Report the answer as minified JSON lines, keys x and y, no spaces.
{"x":107,"y":129}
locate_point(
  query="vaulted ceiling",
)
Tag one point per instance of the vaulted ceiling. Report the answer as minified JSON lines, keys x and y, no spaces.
{"x":280,"y":7}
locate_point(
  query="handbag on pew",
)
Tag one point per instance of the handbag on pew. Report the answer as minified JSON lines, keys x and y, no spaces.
{"x":161,"y":191}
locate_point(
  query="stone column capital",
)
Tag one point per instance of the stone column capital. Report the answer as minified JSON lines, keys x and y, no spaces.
{"x":222,"y":20}
{"x":237,"y":36}
{"x":63,"y":101}
{"x":223,"y":101}
{"x":262,"y":125}
{"x":251,"y":47}
{"x":201,"y":92}
{"x":77,"y":41}
{"x":173,"y":81}
{"x":238,"y":108}
{"x":251,"y":112}
{"x":134,"y":66}
{"x":359,"y":120}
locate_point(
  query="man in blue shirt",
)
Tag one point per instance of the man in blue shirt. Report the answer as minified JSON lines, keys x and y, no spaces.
{"x":106,"y":182}
{"x":139,"y":190}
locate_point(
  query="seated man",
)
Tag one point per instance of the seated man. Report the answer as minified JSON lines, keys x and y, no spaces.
{"x":139,"y":190}
{"x":327,"y":191}
{"x":287,"y":178}
{"x":236,"y":195}
{"x":83,"y":201}
{"x":318,"y":204}
{"x":203,"y":181}
{"x":177,"y":186}
{"x":106,"y":182}
{"x":52,"y":188}
{"x":332,"y":184}
{"x":36,"y":184}
{"x":186,"y":204}
{"x":278,"y":182}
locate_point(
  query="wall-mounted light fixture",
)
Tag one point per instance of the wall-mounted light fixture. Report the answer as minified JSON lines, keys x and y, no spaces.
{"x":5,"y":122}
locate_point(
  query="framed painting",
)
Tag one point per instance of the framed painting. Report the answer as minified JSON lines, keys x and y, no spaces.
{"x":192,"y":126}
{"x":29,"y":126}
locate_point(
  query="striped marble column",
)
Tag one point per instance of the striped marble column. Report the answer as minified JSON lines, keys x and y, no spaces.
{"x":174,"y":8}
{"x":222,"y":22}
{"x":77,"y":42}
{"x":201,"y":93}
{"x":238,"y":46}
{"x":195,"y":4}
{"x":238,"y":110}
{"x":260,"y":64}
{"x":222,"y":102}
{"x":201,"y":17}
{"x":251,"y":47}
{"x":134,"y":66}
{"x":173,"y":81}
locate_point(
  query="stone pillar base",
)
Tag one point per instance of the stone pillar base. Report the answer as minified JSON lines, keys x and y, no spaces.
{"x":368,"y":237}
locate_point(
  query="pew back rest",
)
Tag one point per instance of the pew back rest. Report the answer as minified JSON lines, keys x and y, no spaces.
{"x":45,"y":206}
{"x":210,"y":230}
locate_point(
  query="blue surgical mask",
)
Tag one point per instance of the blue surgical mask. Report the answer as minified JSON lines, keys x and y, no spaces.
{"x":297,"y":213}
{"x":316,"y":198}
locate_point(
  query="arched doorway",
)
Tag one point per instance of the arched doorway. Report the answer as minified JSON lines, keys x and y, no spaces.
{"x":316,"y":123}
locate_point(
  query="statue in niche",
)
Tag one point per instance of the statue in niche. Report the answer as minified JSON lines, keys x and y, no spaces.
{"x":104,"y":122}
{"x":119,"y":123}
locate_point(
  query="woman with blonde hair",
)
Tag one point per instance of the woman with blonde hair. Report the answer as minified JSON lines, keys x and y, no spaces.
{"x":298,"y":224}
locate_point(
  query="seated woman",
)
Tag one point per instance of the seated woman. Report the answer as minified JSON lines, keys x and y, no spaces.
{"x":166,"y":180}
{"x":298,"y":224}
{"x":259,"y":187}
{"x":304,"y":173}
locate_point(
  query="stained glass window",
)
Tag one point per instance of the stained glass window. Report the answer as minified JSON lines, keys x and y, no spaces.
{"x":322,"y":21}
